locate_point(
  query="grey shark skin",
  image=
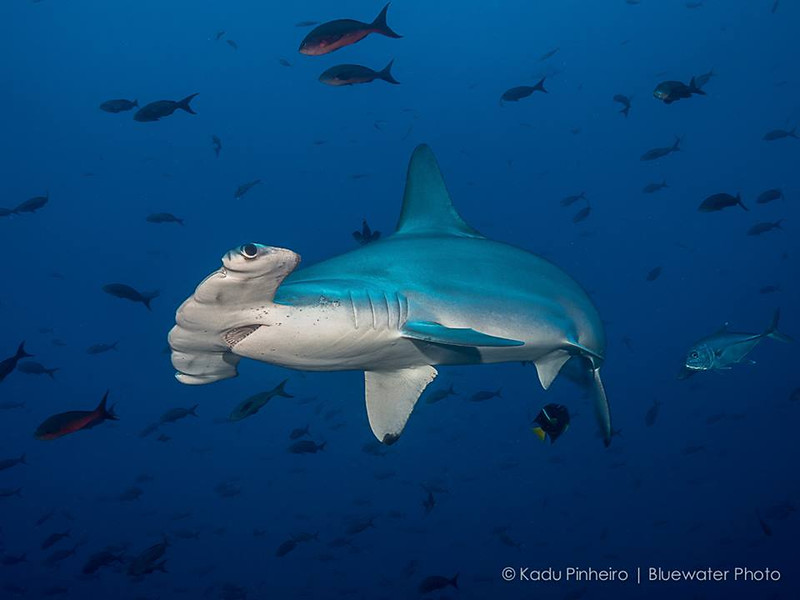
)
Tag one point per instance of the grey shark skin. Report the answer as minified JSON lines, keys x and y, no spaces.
{"x":436,"y":292}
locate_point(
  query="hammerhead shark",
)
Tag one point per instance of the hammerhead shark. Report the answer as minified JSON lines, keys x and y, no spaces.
{"x":436,"y":292}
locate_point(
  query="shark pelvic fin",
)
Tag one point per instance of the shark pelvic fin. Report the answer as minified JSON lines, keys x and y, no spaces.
{"x":427,"y":207}
{"x":428,"y":331}
{"x":549,"y":365}
{"x":391,"y":396}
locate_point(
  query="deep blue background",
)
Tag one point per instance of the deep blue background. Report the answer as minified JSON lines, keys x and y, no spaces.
{"x":643,"y":502}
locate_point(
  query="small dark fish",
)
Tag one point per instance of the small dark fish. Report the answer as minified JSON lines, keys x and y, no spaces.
{"x":552,"y":421}
{"x":9,"y":364}
{"x":284,"y":63}
{"x":440,"y":394}
{"x":9,"y":560}
{"x":656,"y":153}
{"x":570,"y":200}
{"x":7,"y":463}
{"x":152,"y":428}
{"x":333,"y":35}
{"x":352,"y":74}
{"x":75,"y":420}
{"x":359,"y":526}
{"x":672,"y":91}
{"x":32,"y":205}
{"x":306,"y":23}
{"x":126,"y":292}
{"x":251,"y":405}
{"x":769,"y":195}
{"x":549,"y":54}
{"x":232,"y":44}
{"x":653,"y":274}
{"x":218,"y":35}
{"x":625,"y":101}
{"x":717,"y":202}
{"x":756,"y":229}
{"x":163,"y":108}
{"x":216,"y":144}
{"x":437,"y":582}
{"x":651,"y":188}
{"x":306,"y":447}
{"x":45,"y":517}
{"x":163,"y":218}
{"x":429,"y":502}
{"x":147,"y":562}
{"x":119,"y":105}
{"x":176,"y":414}
{"x":131,"y":494}
{"x":523,"y":91}
{"x":101,"y":348}
{"x":52,"y":539}
{"x":652,"y":414}
{"x":486,"y":395}
{"x":779,"y":134}
{"x":101,"y":559}
{"x":299,"y":432}
{"x":582,"y":214}
{"x":366,"y":235}
{"x":286,"y":547}
{"x":769,"y":289}
{"x":31,"y":367}
{"x":244,"y":188}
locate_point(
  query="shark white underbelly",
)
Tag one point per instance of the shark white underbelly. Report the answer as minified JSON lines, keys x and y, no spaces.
{"x":434,"y":293}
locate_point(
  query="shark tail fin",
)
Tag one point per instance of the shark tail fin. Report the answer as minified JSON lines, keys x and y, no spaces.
{"x":772,"y":330}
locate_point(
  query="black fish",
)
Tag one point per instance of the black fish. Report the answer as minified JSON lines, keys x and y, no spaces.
{"x":126,"y":292}
{"x":656,"y":153}
{"x":625,"y":101}
{"x":119,"y":105}
{"x":672,"y":91}
{"x":216,"y":144}
{"x":651,"y":188}
{"x":306,"y":447}
{"x":366,"y":235}
{"x":779,"y":134}
{"x":769,"y":289}
{"x":32,"y":205}
{"x":31,"y":367}
{"x":570,"y":200}
{"x":244,"y":188}
{"x":760,"y":228}
{"x":582,"y":214}
{"x":552,"y":421}
{"x":232,"y":44}
{"x":653,"y":274}
{"x":652,"y":414}
{"x":100,"y":348}
{"x":9,"y":364}
{"x":717,"y":202}
{"x":340,"y":75}
{"x":286,"y":547}
{"x":437,"y":582}
{"x":299,"y":432}
{"x":769,"y":195}
{"x":163,"y":218}
{"x":440,"y":394}
{"x":523,"y":91}
{"x":163,"y":108}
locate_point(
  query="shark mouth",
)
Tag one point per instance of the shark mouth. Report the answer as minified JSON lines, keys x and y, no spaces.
{"x":237,"y":334}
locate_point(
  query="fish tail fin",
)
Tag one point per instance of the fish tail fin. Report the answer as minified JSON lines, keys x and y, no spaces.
{"x":21,"y":352}
{"x":740,"y":203}
{"x":694,"y":89}
{"x":184,"y":104}
{"x":677,"y":145}
{"x":279,"y":391}
{"x":162,"y":566}
{"x":322,"y":445}
{"x":147,"y":297}
{"x":626,"y":110}
{"x":454,"y":581}
{"x":386,"y":75}
{"x":51,"y":373}
{"x":113,"y":346}
{"x":193,"y":410}
{"x":777,"y":224}
{"x":540,"y":86}
{"x":103,"y":410}
{"x":380,"y":25}
{"x":772,"y":330}
{"x":539,"y":433}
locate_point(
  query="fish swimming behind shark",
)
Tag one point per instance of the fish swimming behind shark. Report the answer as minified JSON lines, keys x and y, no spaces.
{"x":436,"y":292}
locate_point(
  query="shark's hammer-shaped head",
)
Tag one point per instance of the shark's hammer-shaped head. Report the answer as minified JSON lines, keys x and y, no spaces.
{"x":226,"y":307}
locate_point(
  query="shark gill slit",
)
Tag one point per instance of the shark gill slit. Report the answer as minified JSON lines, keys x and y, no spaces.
{"x":353,"y":308}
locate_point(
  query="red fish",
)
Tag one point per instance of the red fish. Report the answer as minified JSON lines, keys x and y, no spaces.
{"x":74,"y":420}
{"x":337,"y":34}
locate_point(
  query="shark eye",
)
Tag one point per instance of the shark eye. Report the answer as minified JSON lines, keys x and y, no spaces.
{"x":249,"y":251}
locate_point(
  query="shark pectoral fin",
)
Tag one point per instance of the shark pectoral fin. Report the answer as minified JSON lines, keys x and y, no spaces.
{"x":549,"y":365}
{"x":391,"y":396}
{"x":601,"y":406}
{"x":428,"y":331}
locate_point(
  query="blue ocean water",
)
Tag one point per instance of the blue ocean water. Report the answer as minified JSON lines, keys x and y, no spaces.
{"x":709,"y":482}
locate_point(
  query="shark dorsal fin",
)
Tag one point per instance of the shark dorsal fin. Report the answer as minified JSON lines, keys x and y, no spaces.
{"x":427,"y":208}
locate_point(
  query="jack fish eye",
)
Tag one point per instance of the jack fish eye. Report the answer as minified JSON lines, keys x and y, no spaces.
{"x":694,"y":354}
{"x":249,"y":251}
